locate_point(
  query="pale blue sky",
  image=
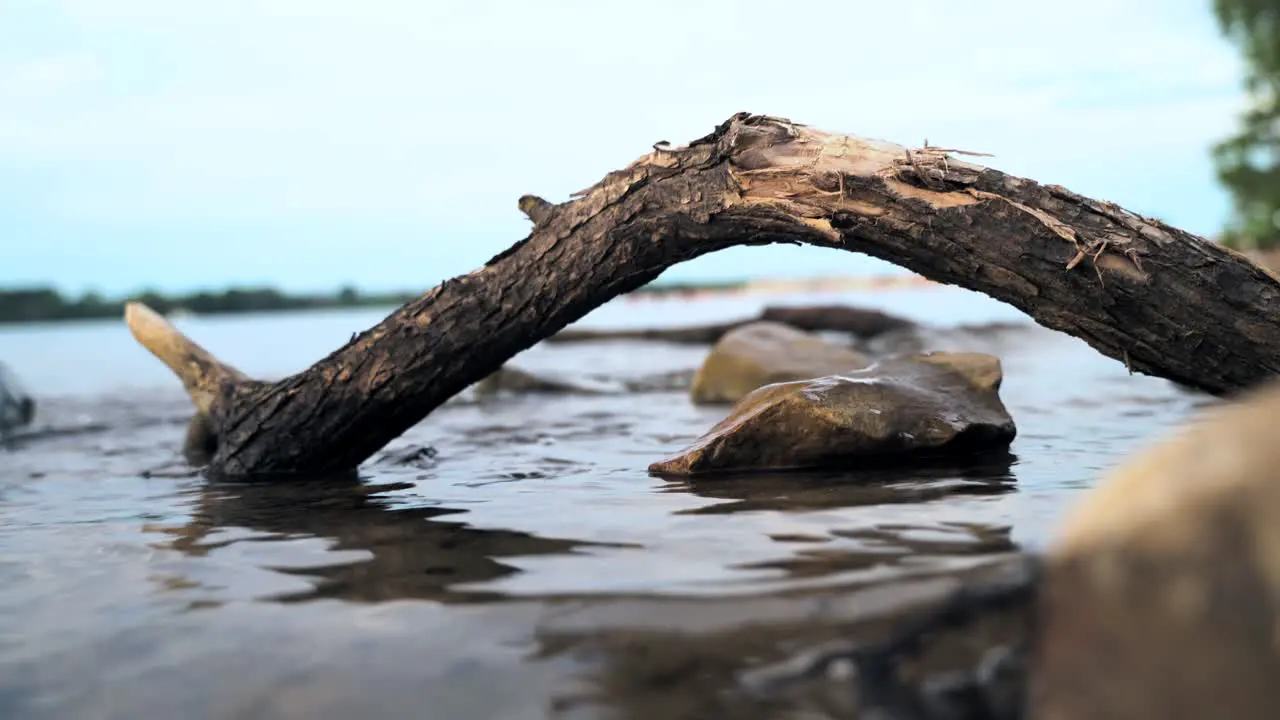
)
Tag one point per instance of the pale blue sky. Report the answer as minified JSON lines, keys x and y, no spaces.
{"x":308,"y":143}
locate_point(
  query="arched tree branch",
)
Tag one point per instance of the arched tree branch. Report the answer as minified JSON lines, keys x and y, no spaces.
{"x":1163,"y":301}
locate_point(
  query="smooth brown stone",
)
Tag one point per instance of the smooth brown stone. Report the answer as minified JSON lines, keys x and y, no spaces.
{"x":764,"y":353}
{"x":1161,"y":597}
{"x":902,"y":407}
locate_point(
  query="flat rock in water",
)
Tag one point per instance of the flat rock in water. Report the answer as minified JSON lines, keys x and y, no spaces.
{"x":1161,"y":594}
{"x":859,"y":322}
{"x":985,"y":337}
{"x":862,"y":322}
{"x":764,"y":353}
{"x":515,"y":380}
{"x":17,"y":407}
{"x":691,"y":335}
{"x":908,"y":407}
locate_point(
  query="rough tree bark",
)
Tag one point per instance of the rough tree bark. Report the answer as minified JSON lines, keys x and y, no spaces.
{"x":1161,"y":300}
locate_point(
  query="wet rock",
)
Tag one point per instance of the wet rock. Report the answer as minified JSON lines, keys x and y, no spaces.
{"x":1161,"y":596}
{"x":513,"y":379}
{"x":764,"y":353}
{"x":908,"y":407}
{"x":990,"y":337}
{"x":17,"y":406}
{"x":691,"y":335}
{"x":673,"y":381}
{"x":862,"y":322}
{"x":422,"y":457}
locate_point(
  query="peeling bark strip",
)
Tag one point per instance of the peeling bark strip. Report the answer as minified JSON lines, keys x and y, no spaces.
{"x":1163,"y":301}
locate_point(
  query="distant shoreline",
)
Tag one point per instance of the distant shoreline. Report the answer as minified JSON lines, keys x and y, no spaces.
{"x":784,"y":286}
{"x":46,"y":305}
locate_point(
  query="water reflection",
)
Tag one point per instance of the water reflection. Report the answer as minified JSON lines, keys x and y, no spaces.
{"x":386,"y":544}
{"x":703,"y":658}
{"x":412,"y":552}
{"x":865,"y":545}
{"x":990,"y":474}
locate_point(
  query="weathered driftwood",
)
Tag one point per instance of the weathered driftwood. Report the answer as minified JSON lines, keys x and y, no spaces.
{"x":1161,"y":300}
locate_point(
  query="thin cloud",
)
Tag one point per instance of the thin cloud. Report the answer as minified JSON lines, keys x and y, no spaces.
{"x":429,"y":119}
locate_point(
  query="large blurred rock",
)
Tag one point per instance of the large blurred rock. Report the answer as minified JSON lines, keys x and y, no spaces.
{"x":764,"y":353}
{"x":906,"y":407}
{"x":17,"y":407}
{"x":1161,"y":595}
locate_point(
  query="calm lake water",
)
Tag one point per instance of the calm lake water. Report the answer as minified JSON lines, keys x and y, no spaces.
{"x":529,"y":567}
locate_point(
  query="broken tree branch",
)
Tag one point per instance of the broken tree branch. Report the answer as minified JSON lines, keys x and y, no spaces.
{"x":201,"y":373}
{"x":1173,"y":304}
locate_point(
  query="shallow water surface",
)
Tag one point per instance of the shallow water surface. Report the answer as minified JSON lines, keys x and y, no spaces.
{"x":509,"y":557}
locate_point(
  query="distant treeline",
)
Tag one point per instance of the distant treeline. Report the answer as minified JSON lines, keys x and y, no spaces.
{"x":47,"y":304}
{"x":44,"y":304}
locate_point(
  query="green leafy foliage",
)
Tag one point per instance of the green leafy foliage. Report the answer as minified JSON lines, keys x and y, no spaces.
{"x":1249,"y":162}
